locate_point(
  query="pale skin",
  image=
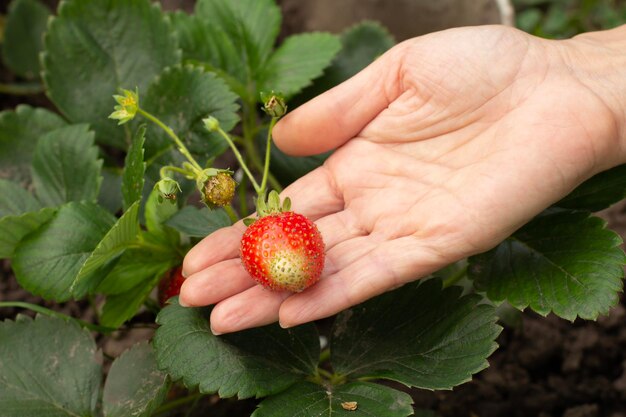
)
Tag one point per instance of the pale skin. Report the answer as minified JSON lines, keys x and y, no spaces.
{"x":445,"y":145}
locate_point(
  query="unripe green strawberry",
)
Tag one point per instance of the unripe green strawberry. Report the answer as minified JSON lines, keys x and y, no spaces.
{"x":283,"y":251}
{"x":219,"y":190}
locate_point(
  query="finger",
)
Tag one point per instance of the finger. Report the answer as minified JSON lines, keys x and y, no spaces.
{"x":329,"y":120}
{"x":315,"y":194}
{"x":388,"y":266}
{"x":218,"y":246}
{"x":214,"y":284}
{"x":312,"y":195}
{"x":254,"y":307}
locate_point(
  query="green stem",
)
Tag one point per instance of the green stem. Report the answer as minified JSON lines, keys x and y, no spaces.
{"x":268,"y":148}
{"x":181,"y":146}
{"x":192,"y":407}
{"x":253,"y":154}
{"x":324,"y":373}
{"x":164,"y":169}
{"x":25,"y":89}
{"x":366,"y":378}
{"x":142,"y":244}
{"x":242,"y":163}
{"x":152,"y":306}
{"x":52,"y":313}
{"x":324,"y":355}
{"x":177,"y":403}
{"x":453,"y":279}
{"x":243,"y":197}
{"x":231,"y":213}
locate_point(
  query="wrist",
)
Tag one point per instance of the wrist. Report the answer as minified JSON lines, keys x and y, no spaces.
{"x":598,"y":61}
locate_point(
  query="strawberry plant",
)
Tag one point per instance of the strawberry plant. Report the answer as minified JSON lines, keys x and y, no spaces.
{"x":158,"y":133}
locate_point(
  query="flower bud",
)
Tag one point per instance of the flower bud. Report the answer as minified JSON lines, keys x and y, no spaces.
{"x":274,"y":104}
{"x":211,"y":124}
{"x":219,"y":190}
{"x":167,"y":188}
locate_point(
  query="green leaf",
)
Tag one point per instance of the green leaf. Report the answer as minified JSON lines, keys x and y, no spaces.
{"x":15,"y":200}
{"x":566,"y":263}
{"x":206,"y":44}
{"x":361,"y":44}
{"x":181,"y":97}
{"x":198,"y":222}
{"x":529,"y":19}
{"x":94,"y":48}
{"x":66,"y":166}
{"x":123,"y":233}
{"x":122,"y":307}
{"x":300,"y":59}
{"x":598,"y":192}
{"x":14,"y":228}
{"x":251,"y":25}
{"x":306,"y":399}
{"x":136,"y":266}
{"x":110,"y":196}
{"x":23,"y":33}
{"x":289,"y":168}
{"x":156,"y":214}
{"x":418,"y":335}
{"x":134,"y":386}
{"x":47,"y":261}
{"x":134,"y":170}
{"x":19,"y":132}
{"x":252,"y":363}
{"x":48,"y":367}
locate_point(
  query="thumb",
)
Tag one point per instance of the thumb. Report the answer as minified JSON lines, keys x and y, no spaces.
{"x":339,"y":114}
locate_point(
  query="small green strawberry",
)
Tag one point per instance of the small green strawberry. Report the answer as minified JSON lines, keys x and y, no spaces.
{"x":219,"y":190}
{"x":283,"y":251}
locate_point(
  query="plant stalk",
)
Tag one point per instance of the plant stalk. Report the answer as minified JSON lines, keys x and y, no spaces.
{"x":231,"y":213}
{"x":242,"y":163}
{"x":268,"y":148}
{"x":177,"y":403}
{"x":181,"y":146}
{"x":453,"y":279}
{"x":26,"y":89}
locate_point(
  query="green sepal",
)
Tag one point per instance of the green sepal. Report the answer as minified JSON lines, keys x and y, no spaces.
{"x":272,"y":205}
{"x":274,"y":104}
{"x":287,"y":204}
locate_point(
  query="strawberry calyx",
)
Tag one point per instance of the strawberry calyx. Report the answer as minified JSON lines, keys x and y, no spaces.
{"x":271,"y":205}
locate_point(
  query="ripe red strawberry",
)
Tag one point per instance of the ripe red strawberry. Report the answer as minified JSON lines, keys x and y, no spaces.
{"x":170,"y":285}
{"x":283,"y":251}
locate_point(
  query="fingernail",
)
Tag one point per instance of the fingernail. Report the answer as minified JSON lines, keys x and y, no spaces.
{"x":214,"y":332}
{"x":284,"y":326}
{"x":182,"y":303}
{"x":184,"y":273}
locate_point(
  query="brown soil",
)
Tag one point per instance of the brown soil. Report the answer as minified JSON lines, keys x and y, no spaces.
{"x":548,"y":367}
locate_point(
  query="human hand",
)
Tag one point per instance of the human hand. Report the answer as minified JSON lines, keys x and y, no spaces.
{"x":446,"y":145}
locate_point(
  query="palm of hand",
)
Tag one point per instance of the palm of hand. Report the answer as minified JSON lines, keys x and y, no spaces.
{"x":477,"y":133}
